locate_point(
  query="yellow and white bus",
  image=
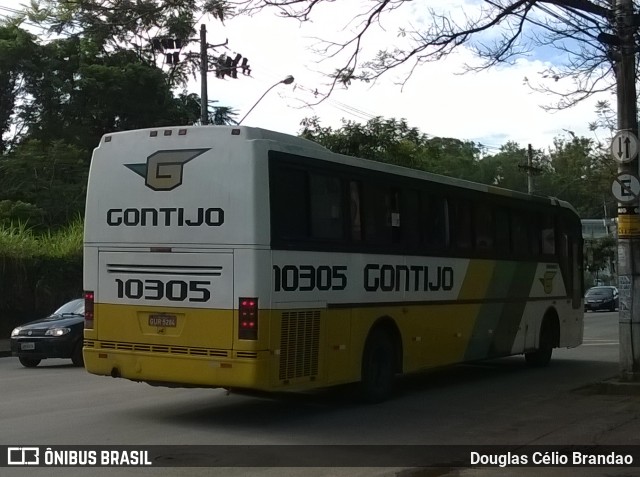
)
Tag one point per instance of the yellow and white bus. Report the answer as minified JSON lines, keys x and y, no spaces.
{"x":242,"y":258}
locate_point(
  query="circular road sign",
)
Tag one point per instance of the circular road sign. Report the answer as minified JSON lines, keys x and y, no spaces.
{"x":624,"y":147}
{"x":626,"y":188}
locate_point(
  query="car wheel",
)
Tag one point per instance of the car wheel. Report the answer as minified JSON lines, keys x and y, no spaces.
{"x":77,"y":359}
{"x":29,"y":362}
{"x":378,"y":371}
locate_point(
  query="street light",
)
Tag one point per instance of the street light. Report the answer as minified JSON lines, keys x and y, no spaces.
{"x":288,"y":80}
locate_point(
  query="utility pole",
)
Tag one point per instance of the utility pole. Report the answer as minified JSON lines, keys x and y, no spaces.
{"x":530,"y":169}
{"x":173,"y":59}
{"x":628,"y":213}
{"x":204,"y":69}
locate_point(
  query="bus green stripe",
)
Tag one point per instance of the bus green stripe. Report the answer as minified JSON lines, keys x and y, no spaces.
{"x":512,"y":312}
{"x":489,"y":314}
{"x":497,"y":323}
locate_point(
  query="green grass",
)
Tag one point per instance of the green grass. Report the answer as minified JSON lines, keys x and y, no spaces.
{"x":17,"y":240}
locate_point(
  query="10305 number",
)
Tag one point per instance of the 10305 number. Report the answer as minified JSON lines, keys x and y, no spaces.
{"x":308,"y":277}
{"x":196,"y":291}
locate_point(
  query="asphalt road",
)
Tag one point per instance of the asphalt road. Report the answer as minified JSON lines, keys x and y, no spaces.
{"x":496,"y":402}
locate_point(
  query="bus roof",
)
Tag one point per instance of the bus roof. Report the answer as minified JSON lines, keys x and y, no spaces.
{"x":300,"y":146}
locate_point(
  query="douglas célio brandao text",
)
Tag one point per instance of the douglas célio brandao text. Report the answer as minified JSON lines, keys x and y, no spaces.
{"x":551,"y":458}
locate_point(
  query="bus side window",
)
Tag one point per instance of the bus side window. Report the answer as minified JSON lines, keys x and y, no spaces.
{"x":502,"y":230}
{"x":382,"y":215}
{"x":289,"y":204}
{"x":569,"y":248}
{"x":535,"y":234}
{"x":412,"y":222}
{"x":355,"y":211}
{"x":460,"y":223}
{"x":326,"y":207}
{"x":484,"y":222}
{"x":435,"y":225}
{"x":392,"y":205}
{"x":548,"y":235}
{"x":519,"y":233}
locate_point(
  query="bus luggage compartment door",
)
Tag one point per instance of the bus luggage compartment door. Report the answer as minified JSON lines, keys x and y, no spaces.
{"x":164,"y":297}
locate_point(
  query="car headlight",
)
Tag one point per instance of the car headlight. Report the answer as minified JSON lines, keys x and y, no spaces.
{"x":57,"y":331}
{"x":15,"y":332}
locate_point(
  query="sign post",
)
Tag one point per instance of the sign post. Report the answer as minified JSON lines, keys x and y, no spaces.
{"x":624,"y":150}
{"x":626,"y":189}
{"x":624,"y":147}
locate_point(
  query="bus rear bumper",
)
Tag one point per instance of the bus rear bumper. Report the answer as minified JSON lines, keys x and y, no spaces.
{"x":180,"y":371}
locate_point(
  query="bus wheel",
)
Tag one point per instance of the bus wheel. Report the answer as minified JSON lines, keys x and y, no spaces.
{"x":542,"y":355}
{"x":29,"y":362}
{"x":378,"y":370}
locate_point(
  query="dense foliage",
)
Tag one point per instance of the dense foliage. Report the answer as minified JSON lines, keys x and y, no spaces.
{"x":59,"y":95}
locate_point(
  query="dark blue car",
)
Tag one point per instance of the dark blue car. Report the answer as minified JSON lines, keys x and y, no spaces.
{"x":601,"y":298}
{"x":59,"y":335}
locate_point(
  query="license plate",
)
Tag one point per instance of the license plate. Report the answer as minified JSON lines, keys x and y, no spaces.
{"x":27,"y":346}
{"x":163,"y":321}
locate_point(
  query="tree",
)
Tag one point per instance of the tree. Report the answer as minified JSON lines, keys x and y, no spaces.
{"x":576,"y":170}
{"x":498,"y":32}
{"x":504,"y":169}
{"x":43,"y":184}
{"x":385,"y":140}
{"x":599,"y":255}
{"x":57,"y":98}
{"x":67,"y":91}
{"x":394,"y":142}
{"x":223,"y":115}
{"x":152,"y":30}
{"x":17,"y":47}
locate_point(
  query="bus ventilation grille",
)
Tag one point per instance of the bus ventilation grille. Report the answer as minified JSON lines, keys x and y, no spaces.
{"x":299,"y":344}
{"x":160,"y":349}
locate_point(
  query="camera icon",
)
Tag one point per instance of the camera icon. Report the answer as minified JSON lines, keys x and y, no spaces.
{"x":23,"y":456}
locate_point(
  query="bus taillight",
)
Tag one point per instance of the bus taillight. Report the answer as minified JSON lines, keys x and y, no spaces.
{"x":88,"y":309}
{"x":248,"y":319}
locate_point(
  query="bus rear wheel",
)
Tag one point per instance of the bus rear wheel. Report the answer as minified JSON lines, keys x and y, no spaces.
{"x":542,"y":356}
{"x":378,"y":370}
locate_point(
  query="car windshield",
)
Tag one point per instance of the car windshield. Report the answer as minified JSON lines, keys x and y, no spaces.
{"x":600,"y":292}
{"x":74,"y":307}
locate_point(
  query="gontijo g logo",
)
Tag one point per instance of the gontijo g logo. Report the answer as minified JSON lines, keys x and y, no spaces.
{"x":163,"y":170}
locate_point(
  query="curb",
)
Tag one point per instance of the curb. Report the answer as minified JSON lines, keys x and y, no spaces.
{"x":619,"y":387}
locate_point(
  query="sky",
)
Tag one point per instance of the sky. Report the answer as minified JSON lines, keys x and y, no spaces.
{"x":490,"y":107}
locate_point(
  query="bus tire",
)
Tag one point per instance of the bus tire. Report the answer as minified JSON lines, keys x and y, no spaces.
{"x":548,"y":340}
{"x":378,"y":369}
